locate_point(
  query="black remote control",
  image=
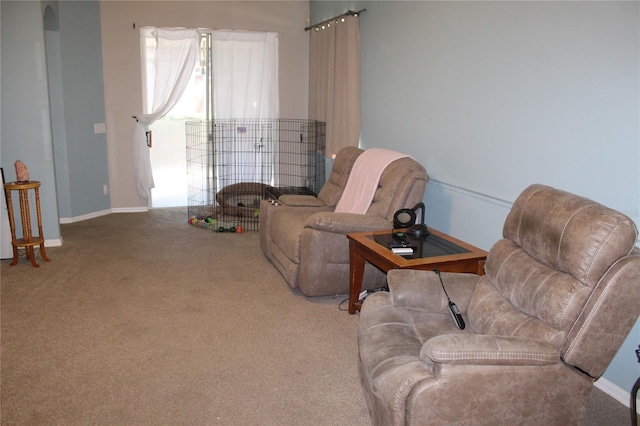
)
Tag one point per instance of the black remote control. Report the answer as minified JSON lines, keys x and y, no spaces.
{"x":457,"y":317}
{"x":453,"y":309}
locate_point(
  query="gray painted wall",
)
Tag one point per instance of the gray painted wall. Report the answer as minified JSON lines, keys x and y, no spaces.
{"x":25,"y":132}
{"x":52,"y":131}
{"x":83,"y":97}
{"x":493,"y":96}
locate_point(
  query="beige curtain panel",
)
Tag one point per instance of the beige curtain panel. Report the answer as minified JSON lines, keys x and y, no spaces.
{"x":334,"y":93}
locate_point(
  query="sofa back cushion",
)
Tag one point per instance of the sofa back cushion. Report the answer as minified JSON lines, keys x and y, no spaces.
{"x":402,"y":185}
{"x":343,"y":163}
{"x":556,"y":247}
{"x":569,"y":233}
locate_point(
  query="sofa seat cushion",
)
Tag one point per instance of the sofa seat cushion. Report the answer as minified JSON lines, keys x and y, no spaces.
{"x":390,"y":340}
{"x":389,"y":332}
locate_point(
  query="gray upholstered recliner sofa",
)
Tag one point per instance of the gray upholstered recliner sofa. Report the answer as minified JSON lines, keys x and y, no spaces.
{"x":561,"y":292}
{"x":306,"y":241}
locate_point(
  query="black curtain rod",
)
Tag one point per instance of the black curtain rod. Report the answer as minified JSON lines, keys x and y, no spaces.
{"x":347,"y":13}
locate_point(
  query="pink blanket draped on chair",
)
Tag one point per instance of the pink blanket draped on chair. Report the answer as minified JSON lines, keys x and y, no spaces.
{"x":364,"y":178}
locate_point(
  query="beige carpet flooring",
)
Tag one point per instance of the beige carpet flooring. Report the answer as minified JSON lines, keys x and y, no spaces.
{"x":143,"y":319}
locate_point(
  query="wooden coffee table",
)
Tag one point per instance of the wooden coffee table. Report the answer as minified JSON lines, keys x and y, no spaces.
{"x":437,"y":251}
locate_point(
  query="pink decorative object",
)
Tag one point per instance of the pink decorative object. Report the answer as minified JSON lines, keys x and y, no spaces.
{"x":22,"y":173}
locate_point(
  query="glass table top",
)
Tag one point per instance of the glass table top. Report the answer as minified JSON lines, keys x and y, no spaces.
{"x":430,"y":246}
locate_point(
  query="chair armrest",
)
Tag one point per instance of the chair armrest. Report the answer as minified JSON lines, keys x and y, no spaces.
{"x":300,"y":201}
{"x":422,"y":290}
{"x":343,"y":223}
{"x":478,"y":349}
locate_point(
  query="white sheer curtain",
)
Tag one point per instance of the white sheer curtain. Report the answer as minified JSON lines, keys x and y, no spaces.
{"x":245,"y":74}
{"x":245,"y":88}
{"x":175,"y":56}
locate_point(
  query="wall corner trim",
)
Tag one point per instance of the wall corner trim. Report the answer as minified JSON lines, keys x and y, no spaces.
{"x":615,"y":391}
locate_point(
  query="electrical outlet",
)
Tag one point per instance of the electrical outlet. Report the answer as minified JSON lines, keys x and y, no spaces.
{"x":99,"y":128}
{"x":105,"y":189}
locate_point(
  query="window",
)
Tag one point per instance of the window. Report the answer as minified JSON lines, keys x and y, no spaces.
{"x":236,"y":76}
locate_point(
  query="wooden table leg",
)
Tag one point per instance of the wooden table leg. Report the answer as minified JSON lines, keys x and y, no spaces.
{"x":27,"y":233}
{"x":43,"y":254}
{"x":12,"y":224}
{"x":356,"y":274}
{"x":31,"y":255}
{"x":480,"y":270}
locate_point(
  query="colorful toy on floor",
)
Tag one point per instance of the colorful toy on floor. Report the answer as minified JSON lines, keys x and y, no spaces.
{"x":230,"y":229}
{"x":202,"y":222}
{"x":216,"y":225}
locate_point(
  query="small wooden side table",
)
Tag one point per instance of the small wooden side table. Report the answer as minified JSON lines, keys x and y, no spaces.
{"x":439,"y":250}
{"x":28,"y":240}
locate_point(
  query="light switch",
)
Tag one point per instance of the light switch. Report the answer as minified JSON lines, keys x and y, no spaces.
{"x":99,"y":128}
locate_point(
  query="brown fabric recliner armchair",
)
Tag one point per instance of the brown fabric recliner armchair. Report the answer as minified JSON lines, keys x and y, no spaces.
{"x":560,"y":294}
{"x":306,"y":241}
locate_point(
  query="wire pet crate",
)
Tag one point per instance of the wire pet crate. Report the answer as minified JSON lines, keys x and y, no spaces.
{"x":233,"y":164}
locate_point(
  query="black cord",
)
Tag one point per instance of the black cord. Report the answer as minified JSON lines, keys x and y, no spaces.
{"x":385,"y":288}
{"x":340,"y":305}
{"x":453,"y":309}
{"x":634,"y":395}
{"x":437,"y":271}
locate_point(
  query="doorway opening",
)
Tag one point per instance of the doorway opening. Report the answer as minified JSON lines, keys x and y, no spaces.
{"x":236,"y":77}
{"x":169,"y":154}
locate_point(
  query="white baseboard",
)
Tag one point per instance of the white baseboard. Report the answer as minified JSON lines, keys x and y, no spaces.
{"x":130,"y":210}
{"x":615,"y":392}
{"x":67,"y":220}
{"x":56,"y":242}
